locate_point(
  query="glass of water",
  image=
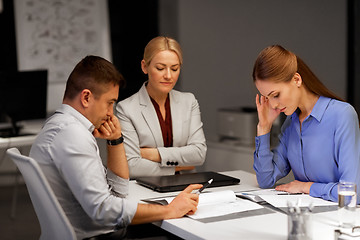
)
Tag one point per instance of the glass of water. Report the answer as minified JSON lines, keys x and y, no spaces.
{"x":347,"y":203}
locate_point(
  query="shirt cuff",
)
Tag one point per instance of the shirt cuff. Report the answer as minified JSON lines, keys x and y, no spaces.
{"x":165,"y":158}
{"x":323,"y":190}
{"x":130,"y":208}
{"x":262,"y":143}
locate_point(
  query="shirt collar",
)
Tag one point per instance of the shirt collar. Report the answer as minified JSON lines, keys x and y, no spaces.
{"x":67,"y":109}
{"x":318,"y":110}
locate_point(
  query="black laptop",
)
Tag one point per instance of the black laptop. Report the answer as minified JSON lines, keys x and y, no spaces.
{"x":179,"y":182}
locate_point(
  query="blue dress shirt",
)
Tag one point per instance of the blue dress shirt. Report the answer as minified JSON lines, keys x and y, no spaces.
{"x":325,"y":150}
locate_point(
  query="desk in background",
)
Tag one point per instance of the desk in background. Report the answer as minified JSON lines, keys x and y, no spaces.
{"x":32,"y":128}
{"x":9,"y":174}
{"x":7,"y":167}
{"x":265,"y":226}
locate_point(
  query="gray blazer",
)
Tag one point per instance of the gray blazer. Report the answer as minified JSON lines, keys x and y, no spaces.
{"x":141,"y":128}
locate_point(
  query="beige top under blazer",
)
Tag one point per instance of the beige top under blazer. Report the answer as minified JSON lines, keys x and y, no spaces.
{"x":141,"y":128}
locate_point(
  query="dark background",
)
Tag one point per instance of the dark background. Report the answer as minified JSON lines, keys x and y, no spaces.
{"x":134,"y":23}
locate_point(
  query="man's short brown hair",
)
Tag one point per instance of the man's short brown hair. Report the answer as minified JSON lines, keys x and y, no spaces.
{"x":93,"y":73}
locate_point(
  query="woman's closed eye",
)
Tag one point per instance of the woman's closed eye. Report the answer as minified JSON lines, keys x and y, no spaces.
{"x":276,"y":95}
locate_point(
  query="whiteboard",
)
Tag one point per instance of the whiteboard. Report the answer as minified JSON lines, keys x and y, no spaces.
{"x":56,"y":34}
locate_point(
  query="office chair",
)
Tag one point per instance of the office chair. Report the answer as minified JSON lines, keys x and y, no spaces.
{"x":53,"y":222}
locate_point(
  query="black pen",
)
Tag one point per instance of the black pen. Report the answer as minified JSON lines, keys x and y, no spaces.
{"x":204,"y":186}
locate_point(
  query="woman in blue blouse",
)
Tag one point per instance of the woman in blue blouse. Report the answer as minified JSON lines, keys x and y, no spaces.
{"x":319,"y":140}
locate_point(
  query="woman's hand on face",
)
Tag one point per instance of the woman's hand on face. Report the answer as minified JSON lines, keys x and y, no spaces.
{"x":266,"y":115}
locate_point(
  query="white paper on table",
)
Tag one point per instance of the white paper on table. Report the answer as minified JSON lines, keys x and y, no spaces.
{"x":302,"y":200}
{"x":219,"y":203}
{"x":212,"y":197}
{"x":224,"y":208}
{"x":253,"y":195}
{"x":270,"y":191}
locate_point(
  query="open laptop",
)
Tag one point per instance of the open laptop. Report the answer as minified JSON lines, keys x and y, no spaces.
{"x":179,"y":182}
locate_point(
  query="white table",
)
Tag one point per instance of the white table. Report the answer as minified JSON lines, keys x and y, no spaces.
{"x":32,"y":127}
{"x":265,"y":226}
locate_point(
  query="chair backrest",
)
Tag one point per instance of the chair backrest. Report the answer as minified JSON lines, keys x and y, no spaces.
{"x":53,"y":222}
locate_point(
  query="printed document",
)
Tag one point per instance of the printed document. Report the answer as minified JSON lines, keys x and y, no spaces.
{"x":214,"y":204}
{"x":302,"y":200}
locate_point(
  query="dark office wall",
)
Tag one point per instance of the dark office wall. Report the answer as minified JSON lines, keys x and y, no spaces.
{"x":353,"y":89}
{"x":8,"y":60}
{"x":221,"y":39}
{"x":132,"y":25}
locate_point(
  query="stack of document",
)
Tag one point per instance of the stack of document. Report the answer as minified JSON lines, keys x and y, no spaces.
{"x":280,"y":199}
{"x":214,"y":204}
{"x":220,"y":203}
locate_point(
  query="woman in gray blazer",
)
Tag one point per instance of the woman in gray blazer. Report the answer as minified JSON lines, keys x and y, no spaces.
{"x":162,"y":127}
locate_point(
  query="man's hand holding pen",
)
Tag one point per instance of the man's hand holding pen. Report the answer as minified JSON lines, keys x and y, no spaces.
{"x":204,"y":186}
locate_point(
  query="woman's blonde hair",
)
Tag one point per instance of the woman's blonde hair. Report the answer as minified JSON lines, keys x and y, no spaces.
{"x":277,"y":64}
{"x":161,"y":43}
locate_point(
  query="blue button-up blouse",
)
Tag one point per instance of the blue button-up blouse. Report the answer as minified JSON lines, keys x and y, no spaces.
{"x":325,"y":150}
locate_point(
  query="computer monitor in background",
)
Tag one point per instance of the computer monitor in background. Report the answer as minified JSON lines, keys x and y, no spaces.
{"x":23,"y":96}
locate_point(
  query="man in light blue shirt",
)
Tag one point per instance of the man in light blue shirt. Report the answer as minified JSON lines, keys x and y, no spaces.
{"x":92,"y":197}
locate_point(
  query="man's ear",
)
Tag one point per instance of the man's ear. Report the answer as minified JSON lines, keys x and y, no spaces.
{"x":143,"y":67}
{"x":85,"y":97}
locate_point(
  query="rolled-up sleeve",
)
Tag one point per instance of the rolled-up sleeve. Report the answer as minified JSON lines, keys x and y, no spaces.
{"x":119,"y":186}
